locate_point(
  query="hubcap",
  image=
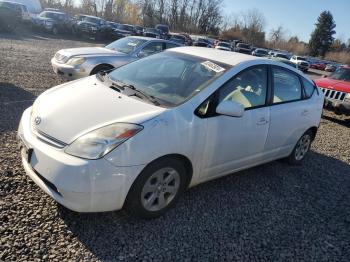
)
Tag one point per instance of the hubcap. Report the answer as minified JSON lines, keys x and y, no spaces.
{"x":160,"y":189}
{"x":302,"y":147}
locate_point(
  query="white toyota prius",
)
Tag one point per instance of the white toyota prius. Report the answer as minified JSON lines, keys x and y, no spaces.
{"x":138,"y":136}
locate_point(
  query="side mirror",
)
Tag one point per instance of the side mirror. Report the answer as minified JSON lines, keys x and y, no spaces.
{"x":230,"y":108}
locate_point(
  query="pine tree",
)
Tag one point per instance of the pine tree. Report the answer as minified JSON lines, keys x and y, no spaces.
{"x":322,"y":37}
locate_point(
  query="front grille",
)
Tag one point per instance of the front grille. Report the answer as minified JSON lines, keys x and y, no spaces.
{"x":49,"y":139}
{"x":60,"y":58}
{"x":333,"y":94}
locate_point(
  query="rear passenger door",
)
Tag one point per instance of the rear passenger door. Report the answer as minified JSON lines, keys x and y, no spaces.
{"x":288,"y":112}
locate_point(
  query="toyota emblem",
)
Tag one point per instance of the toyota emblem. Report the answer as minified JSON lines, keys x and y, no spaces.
{"x":37,"y":120}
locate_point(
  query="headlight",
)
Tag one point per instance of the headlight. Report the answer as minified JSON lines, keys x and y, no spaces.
{"x":76,"y":61}
{"x":99,"y":142}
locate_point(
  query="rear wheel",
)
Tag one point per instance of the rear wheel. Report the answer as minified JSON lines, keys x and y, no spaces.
{"x":157,"y":188}
{"x":301,"y":148}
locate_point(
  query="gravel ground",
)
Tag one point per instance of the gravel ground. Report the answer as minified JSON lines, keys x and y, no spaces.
{"x":273,"y":212}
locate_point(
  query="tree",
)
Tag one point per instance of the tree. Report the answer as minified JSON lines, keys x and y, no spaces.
{"x":322,"y":37}
{"x":276,"y":35}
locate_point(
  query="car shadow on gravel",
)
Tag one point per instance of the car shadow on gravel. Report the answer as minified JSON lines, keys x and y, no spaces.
{"x":13,"y":101}
{"x":270,"y":212}
{"x":343,"y":122}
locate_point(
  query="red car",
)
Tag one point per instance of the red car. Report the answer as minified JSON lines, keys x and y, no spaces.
{"x":336,"y":89}
{"x":319,"y":66}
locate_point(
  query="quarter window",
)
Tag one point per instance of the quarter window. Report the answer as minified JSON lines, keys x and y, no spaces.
{"x":308,"y":87}
{"x":287,"y":86}
{"x":248,"y":88}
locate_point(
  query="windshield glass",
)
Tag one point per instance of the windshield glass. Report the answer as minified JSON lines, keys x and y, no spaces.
{"x":91,"y":19}
{"x":126,"y":27}
{"x":301,"y":58}
{"x":341,"y":74}
{"x":170,"y":77}
{"x":243,"y":46}
{"x":163,"y":28}
{"x":224,"y":45}
{"x":126,"y":45}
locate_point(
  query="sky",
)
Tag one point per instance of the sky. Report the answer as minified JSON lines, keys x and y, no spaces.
{"x":297,"y":17}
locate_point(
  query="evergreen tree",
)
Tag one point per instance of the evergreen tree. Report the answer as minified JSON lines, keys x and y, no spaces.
{"x":322,"y":37}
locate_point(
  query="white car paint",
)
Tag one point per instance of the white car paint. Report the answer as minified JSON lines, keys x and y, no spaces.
{"x":214,"y":150}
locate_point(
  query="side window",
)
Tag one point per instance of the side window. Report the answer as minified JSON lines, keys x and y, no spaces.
{"x":170,"y":45}
{"x":287,"y":86}
{"x":152,"y":48}
{"x":248,"y":87}
{"x":308,"y":87}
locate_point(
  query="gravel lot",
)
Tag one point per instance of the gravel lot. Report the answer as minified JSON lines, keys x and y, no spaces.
{"x":273,"y":212}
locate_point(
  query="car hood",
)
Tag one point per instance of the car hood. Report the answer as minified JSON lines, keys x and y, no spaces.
{"x":330,"y":83}
{"x":86,"y":51}
{"x":75,"y":108}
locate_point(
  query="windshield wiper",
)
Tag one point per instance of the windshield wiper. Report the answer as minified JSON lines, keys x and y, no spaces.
{"x":137,"y":92}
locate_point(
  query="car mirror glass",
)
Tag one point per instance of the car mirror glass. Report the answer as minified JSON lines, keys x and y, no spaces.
{"x":230,"y":108}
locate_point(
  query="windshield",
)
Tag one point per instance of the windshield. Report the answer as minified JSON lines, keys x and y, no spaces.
{"x":169,"y":77}
{"x":243,"y":46}
{"x":301,"y":58}
{"x":126,"y":45}
{"x":126,"y":27}
{"x":224,"y":45}
{"x":341,"y":74}
{"x":163,"y":28}
{"x":261,"y":51}
{"x":91,"y":20}
{"x":152,"y":30}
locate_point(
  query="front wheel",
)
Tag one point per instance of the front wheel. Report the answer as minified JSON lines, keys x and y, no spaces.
{"x":157,"y":188}
{"x":301,"y":149}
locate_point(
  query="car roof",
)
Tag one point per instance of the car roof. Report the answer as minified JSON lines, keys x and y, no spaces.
{"x":221,"y":56}
{"x":54,"y":12}
{"x":150,"y":39}
{"x":93,"y":16}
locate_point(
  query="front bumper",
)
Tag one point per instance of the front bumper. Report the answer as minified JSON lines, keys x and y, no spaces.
{"x":67,"y":71}
{"x":78,"y":184}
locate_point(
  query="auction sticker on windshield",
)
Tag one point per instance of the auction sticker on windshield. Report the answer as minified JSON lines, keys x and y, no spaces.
{"x":212,"y":66}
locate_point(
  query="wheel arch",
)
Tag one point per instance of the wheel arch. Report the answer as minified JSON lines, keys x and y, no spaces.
{"x":313,"y":130}
{"x":93,"y":71}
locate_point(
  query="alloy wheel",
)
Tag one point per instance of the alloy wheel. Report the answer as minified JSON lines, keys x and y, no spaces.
{"x":302,"y":147}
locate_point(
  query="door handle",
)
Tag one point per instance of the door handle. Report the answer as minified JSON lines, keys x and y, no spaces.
{"x":262,"y":121}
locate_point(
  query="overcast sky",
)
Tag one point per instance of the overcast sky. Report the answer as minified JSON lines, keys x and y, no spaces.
{"x":298,"y":17}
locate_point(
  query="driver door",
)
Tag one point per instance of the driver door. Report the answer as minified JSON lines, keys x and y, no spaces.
{"x":233,"y":143}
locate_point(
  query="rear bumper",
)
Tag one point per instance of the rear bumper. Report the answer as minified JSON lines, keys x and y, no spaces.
{"x":79,"y":184}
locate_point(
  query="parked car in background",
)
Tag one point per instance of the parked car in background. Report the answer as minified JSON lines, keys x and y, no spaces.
{"x":52,"y":21}
{"x":223,"y":46}
{"x":319,"y":66}
{"x":139,"y":29}
{"x":25,"y":15}
{"x":336,"y":89}
{"x":284,"y":60}
{"x":243,"y":48}
{"x":10,"y":16}
{"x":117,"y":139}
{"x":189,"y":40}
{"x":202,"y":42}
{"x":260,"y":52}
{"x":330,"y":68}
{"x":93,"y":26}
{"x":178,"y":39}
{"x":152,"y":32}
{"x":113,"y":25}
{"x":281,"y":55}
{"x":123,"y":30}
{"x":164,"y":31}
{"x":80,"y":62}
{"x":301,"y":62}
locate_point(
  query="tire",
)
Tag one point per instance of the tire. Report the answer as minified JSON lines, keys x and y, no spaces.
{"x":157,"y":188}
{"x":301,"y":148}
{"x":101,"y":68}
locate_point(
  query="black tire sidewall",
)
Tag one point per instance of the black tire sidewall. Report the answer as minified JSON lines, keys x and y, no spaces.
{"x":133,"y":201}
